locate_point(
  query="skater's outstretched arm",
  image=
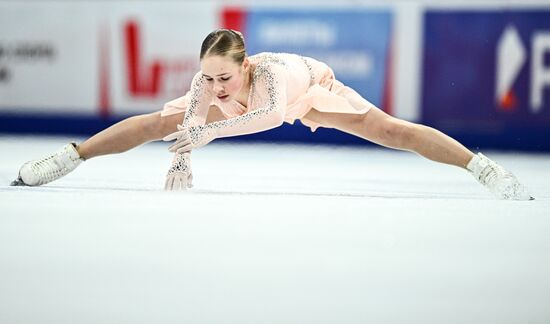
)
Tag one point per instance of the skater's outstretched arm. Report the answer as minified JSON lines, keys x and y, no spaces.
{"x":268,"y":102}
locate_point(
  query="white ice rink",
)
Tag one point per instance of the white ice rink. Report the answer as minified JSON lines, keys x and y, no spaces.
{"x":271,"y":234}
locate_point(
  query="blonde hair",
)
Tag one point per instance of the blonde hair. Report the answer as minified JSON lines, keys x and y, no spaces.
{"x":224,"y":42}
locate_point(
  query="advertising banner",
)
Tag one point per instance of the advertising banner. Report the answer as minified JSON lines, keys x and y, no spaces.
{"x":354,"y":43}
{"x":486,"y":76}
{"x":95,"y":58}
{"x":48,"y":58}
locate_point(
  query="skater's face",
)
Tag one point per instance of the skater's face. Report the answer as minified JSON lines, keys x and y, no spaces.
{"x":224,"y":76}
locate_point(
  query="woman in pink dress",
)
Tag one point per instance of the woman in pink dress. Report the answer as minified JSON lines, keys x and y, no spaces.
{"x":235,"y":94}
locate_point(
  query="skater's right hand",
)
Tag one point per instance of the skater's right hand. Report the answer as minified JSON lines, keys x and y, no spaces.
{"x":179,"y":176}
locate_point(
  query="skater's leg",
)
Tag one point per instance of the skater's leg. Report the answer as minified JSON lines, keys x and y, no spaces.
{"x":120,"y":137}
{"x":129,"y":133}
{"x":134,"y":131}
{"x":381,"y":128}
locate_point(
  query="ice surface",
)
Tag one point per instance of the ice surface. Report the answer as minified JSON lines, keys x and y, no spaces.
{"x":271,"y":234}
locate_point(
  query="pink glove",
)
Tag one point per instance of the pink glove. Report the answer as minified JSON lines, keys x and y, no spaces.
{"x":188,"y":138}
{"x":179,"y":176}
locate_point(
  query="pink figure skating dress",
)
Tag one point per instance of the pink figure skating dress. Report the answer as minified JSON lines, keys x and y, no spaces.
{"x":284,"y":87}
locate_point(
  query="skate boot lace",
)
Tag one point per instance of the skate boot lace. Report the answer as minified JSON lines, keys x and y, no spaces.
{"x":491,"y":173}
{"x":54,"y":166}
{"x":49,"y":169}
{"x":499,"y":181}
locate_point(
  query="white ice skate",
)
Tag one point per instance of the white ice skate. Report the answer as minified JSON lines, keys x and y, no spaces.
{"x":501,"y":182}
{"x":53,"y":167}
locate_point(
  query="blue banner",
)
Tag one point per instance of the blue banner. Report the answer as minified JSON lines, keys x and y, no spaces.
{"x":354,"y":43}
{"x":486,"y":77}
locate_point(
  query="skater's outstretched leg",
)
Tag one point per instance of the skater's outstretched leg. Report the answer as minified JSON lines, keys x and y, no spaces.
{"x":120,"y":137}
{"x":381,"y":128}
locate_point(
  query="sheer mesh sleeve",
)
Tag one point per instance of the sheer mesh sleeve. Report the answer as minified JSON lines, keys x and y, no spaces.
{"x":268,"y":91}
{"x":199,"y":98}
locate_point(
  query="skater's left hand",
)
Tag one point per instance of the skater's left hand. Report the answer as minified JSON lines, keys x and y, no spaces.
{"x":179,"y":175}
{"x":189,"y":138}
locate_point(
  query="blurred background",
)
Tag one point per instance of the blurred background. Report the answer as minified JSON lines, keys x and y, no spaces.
{"x":479,"y":71}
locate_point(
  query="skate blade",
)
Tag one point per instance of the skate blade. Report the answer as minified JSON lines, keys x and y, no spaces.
{"x":18,"y":182}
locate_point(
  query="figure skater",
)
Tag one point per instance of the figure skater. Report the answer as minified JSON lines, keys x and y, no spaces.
{"x":235,"y":94}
